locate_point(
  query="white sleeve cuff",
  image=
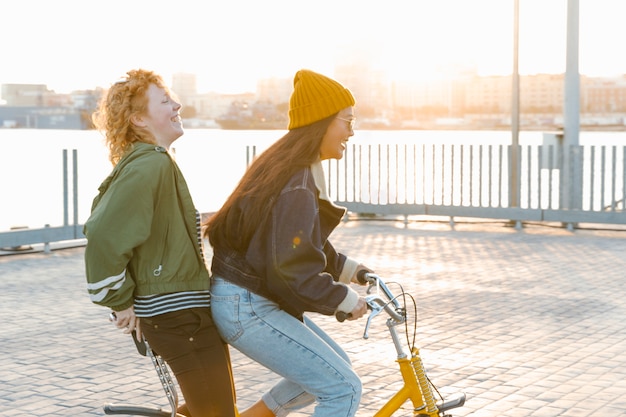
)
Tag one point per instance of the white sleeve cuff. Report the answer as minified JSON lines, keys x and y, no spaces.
{"x":348,"y":271}
{"x":349,"y":303}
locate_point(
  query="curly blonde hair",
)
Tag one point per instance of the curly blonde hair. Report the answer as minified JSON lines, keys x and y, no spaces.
{"x":125,"y":99}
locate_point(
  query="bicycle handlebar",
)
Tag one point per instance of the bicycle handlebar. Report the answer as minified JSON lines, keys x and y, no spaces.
{"x":377,"y":303}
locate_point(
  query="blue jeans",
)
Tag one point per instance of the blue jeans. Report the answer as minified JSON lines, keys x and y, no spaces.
{"x":313,"y":366}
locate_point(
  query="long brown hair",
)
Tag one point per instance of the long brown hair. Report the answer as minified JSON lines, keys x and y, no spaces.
{"x":262,"y":182}
{"x":125,"y":99}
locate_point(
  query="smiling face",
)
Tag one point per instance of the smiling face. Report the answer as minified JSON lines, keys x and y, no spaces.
{"x":162,"y":118}
{"x":337,"y":135}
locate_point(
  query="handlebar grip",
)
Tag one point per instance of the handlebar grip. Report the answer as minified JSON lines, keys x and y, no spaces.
{"x":342,"y":316}
{"x":361,"y":276}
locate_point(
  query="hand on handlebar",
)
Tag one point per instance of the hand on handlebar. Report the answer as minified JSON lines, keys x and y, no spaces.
{"x":359,"y":274}
{"x":359,"y":310}
{"x":356,"y":313}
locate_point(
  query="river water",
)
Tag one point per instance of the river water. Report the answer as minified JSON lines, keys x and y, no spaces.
{"x":212,"y":160}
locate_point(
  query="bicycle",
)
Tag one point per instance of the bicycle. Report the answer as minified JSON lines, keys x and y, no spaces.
{"x":417,"y":387}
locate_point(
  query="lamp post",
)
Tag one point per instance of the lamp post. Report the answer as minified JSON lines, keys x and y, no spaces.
{"x":514,"y":165}
{"x":571,"y":175}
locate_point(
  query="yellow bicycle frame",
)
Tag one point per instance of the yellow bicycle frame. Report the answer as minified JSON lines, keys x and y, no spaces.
{"x":416,"y":388}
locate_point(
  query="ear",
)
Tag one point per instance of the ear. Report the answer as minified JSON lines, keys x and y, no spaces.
{"x":137,"y":120}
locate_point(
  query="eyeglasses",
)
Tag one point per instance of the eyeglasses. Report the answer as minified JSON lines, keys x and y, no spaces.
{"x":351,"y":122}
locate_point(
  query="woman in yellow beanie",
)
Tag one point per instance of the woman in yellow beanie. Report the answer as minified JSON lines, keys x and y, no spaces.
{"x":272,"y":261}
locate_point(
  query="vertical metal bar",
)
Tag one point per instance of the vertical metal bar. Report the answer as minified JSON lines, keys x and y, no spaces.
{"x":423,"y":173}
{"x":602,"y":176}
{"x":380,"y":179}
{"x":372,"y":186}
{"x":444,"y":168}
{"x":397,"y":174}
{"x":578,"y":174}
{"x":624,"y":178}
{"x":514,"y":168}
{"x":359,"y":191}
{"x":414,"y":173}
{"x":571,"y":184}
{"x":443,"y":173}
{"x":352,"y":191}
{"x":65,"y":190}
{"x":75,"y":185}
{"x":250,"y":153}
{"x":387,"y":176}
{"x":354,"y":148}
{"x":529,"y":177}
{"x":461,"y":174}
{"x":471,"y":172}
{"x":389,"y":173}
{"x":500,"y":191}
{"x":414,"y":146}
{"x":377,"y":185}
{"x":369,"y":173}
{"x":503,"y":185}
{"x":490,"y":175}
{"x":416,"y":176}
{"x":337,"y":165}
{"x":480,"y":175}
{"x":540,"y":152}
{"x":345,"y":176}
{"x":406,"y":173}
{"x":410,"y":158}
{"x":550,"y":159}
{"x":452,"y":174}
{"x":613,"y":177}
{"x":433,"y":164}
{"x":592,"y":169}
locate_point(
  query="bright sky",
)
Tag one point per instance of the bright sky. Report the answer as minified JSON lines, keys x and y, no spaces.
{"x":229,"y":44}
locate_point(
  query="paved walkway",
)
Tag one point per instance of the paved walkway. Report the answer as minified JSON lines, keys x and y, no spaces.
{"x":527,"y":323}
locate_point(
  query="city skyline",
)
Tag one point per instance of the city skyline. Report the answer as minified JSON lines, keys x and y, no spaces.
{"x":72,"y":45}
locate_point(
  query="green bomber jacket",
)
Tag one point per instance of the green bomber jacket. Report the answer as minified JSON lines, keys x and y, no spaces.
{"x":142,"y":237}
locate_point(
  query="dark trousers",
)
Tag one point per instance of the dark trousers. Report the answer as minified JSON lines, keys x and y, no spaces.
{"x":190,"y":344}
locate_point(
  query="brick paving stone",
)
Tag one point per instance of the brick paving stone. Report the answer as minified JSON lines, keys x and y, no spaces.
{"x":527,"y":322}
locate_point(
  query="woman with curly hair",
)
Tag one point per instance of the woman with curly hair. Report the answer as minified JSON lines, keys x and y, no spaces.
{"x":144,"y":257}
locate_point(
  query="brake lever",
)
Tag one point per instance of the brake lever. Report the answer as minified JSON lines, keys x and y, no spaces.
{"x":375,"y":310}
{"x":371,"y":286}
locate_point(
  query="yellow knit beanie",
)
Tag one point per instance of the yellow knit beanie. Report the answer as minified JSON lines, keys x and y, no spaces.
{"x":315,"y":97}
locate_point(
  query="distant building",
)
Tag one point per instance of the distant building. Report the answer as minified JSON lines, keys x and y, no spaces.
{"x":24,"y":94}
{"x":605,"y":95}
{"x":34,"y":106}
{"x":481,"y":101}
{"x":370,"y":88}
{"x":213,"y":105}
{"x":38,"y":117}
{"x":274,"y":90}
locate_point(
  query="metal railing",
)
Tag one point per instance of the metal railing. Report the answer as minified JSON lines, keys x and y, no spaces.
{"x":21,"y":238}
{"x":472,"y":181}
{"x":451,"y":180}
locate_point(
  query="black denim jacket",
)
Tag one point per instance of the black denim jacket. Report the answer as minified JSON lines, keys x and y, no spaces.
{"x":289,"y":259}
